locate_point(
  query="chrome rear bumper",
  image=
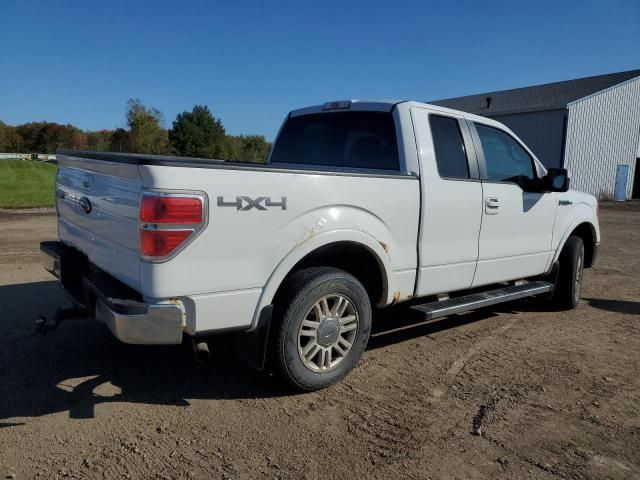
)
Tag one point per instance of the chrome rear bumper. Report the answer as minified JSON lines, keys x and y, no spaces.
{"x":97,"y":294}
{"x":160,"y":325}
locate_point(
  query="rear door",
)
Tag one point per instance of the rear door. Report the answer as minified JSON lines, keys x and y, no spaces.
{"x":517,"y":221}
{"x":451,"y":202}
{"x":97,"y":203}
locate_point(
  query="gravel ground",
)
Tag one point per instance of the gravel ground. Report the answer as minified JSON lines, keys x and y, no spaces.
{"x":513,"y":392}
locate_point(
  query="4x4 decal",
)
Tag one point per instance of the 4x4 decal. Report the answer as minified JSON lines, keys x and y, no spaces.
{"x":244,"y":203}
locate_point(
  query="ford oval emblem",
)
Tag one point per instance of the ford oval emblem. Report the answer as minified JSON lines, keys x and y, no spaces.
{"x":85,"y":204}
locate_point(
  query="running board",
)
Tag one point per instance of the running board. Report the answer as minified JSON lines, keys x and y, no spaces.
{"x":483,"y":299}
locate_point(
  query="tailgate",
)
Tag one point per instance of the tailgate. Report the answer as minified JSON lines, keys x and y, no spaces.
{"x":97,"y":204}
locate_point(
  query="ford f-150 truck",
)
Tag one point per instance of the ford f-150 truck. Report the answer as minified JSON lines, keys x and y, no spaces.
{"x":362,"y":204}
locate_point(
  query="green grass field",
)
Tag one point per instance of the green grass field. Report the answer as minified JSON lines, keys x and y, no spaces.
{"x":26,"y":183}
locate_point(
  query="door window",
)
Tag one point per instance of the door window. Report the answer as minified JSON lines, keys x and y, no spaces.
{"x":451,"y":157}
{"x":504,"y":157}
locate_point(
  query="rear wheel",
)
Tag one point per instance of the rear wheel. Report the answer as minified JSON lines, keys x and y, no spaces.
{"x":567,"y":288}
{"x":324,"y":327}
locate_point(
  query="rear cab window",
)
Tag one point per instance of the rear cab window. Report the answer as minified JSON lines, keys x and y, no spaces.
{"x":448,"y":144}
{"x":353,"y":140}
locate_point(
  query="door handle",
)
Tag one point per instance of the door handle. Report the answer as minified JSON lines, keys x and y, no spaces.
{"x":492,"y":204}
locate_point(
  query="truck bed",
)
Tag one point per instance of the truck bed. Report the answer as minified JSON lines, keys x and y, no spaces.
{"x":194,"y":162}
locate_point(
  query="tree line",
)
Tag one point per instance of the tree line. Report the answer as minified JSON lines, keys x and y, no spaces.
{"x":195,"y":133}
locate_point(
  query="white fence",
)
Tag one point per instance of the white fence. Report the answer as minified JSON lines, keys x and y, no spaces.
{"x":27,"y":156}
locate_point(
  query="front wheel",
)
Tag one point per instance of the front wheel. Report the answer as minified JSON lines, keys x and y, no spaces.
{"x":567,"y":289}
{"x":324,"y":327}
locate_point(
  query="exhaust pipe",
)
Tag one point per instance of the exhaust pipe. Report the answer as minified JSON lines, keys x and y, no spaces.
{"x":201,"y":351}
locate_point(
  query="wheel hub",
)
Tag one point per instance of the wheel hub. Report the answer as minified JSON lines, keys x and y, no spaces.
{"x":328,"y":332}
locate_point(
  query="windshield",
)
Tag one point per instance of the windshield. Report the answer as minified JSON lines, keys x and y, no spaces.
{"x":339,"y":139}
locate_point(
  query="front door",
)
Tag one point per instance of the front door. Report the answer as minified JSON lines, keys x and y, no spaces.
{"x":517,"y":221}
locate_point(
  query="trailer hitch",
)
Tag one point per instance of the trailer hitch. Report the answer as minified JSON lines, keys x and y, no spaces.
{"x":44,"y":326}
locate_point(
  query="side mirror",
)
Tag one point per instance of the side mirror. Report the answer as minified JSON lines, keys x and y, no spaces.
{"x":556,"y":180}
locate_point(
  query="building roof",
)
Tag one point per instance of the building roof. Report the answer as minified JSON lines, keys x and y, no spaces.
{"x":550,"y":96}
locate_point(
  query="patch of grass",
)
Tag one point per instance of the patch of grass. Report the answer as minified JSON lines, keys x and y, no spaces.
{"x":26,"y":184}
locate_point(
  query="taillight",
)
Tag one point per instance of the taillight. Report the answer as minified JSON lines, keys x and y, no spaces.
{"x":165,"y":209}
{"x":160,"y":243}
{"x":168,"y":221}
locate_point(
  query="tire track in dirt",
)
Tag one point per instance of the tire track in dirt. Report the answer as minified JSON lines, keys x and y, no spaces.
{"x":459,"y":363}
{"x":390,"y":421}
{"x":389,"y":428}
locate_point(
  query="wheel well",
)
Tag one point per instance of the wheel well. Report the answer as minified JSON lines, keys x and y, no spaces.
{"x":588,"y":235}
{"x":351,"y":257}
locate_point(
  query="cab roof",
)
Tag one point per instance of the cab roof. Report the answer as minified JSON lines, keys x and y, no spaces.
{"x":384,"y":105}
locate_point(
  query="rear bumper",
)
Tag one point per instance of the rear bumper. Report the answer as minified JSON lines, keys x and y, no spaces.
{"x":50,"y":257}
{"x":99,"y":295}
{"x":161,"y":324}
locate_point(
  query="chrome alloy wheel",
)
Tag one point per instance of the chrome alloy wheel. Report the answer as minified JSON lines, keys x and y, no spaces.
{"x":327,"y":333}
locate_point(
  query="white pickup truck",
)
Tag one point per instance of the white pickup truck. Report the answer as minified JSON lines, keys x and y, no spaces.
{"x":362,"y":204}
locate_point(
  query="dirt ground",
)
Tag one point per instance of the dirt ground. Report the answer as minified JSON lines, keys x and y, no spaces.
{"x":515,"y":392}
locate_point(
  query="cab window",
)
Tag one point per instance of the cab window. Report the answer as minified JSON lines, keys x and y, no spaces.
{"x":360,"y":139}
{"x":451,"y":157}
{"x":504,"y":157}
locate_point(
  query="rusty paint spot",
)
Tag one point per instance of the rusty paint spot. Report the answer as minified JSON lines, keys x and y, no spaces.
{"x":384,"y":245}
{"x":308,"y":236}
{"x":396,"y":296}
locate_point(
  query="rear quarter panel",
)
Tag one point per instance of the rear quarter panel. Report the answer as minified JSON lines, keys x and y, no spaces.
{"x":252,"y":249}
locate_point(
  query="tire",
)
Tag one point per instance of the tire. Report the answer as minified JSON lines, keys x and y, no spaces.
{"x":567,"y":289}
{"x":331,"y":308}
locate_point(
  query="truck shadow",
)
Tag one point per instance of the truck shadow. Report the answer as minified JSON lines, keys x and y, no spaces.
{"x":617,"y":306}
{"x":80,"y":365}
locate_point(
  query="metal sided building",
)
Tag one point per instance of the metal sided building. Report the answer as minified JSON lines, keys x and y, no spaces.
{"x":591,"y":126}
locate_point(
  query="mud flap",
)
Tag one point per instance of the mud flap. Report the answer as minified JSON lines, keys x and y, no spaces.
{"x":251,"y":347}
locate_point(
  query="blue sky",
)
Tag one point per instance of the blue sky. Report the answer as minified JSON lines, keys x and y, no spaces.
{"x":251,"y":62}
